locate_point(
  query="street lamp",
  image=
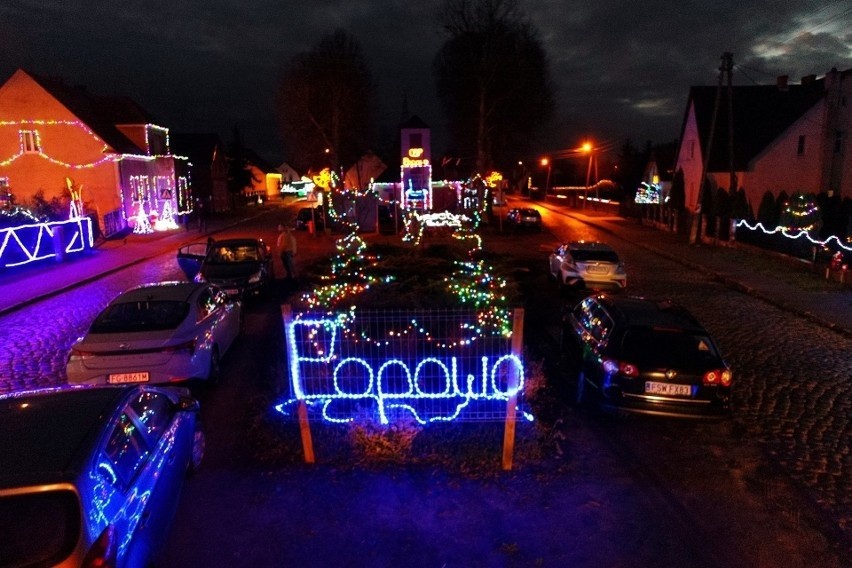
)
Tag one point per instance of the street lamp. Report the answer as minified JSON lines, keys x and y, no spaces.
{"x":546,"y":162}
{"x":587,"y":148}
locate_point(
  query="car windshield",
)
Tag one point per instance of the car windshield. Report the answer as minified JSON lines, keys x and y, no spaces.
{"x":581,"y":255}
{"x":140,"y":316}
{"x":228,"y":254}
{"x":667,"y":347}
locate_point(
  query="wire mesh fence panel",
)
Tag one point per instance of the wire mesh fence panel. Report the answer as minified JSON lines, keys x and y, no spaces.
{"x":427,"y":365}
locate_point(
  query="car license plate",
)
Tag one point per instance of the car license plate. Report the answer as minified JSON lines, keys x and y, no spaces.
{"x":594,"y":269}
{"x":667,"y":389}
{"x":120,"y":378}
{"x":232,"y":291}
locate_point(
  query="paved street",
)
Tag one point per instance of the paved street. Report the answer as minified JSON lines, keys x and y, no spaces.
{"x":792,"y":361}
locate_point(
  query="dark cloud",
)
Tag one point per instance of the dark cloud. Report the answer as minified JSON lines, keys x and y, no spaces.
{"x":622,"y":68}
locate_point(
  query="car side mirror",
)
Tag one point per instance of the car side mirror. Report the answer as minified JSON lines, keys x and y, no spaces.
{"x":188,"y":404}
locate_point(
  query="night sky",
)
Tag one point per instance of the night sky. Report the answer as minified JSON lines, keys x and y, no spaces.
{"x":622,"y":69}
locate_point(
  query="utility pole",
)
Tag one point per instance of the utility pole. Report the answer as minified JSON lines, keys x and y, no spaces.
{"x":724,"y":70}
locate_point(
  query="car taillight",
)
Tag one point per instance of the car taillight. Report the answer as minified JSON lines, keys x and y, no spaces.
{"x":80,"y":354}
{"x":188,"y":346}
{"x":623,"y":368}
{"x":103,"y":552}
{"x":717,"y":377}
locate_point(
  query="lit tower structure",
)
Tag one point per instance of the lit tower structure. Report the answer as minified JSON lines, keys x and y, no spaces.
{"x":416,"y":168}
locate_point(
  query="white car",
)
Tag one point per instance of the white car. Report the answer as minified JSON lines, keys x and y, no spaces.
{"x":168,"y":332}
{"x":592,"y":265}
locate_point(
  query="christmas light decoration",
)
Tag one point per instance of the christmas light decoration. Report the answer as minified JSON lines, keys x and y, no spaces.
{"x":795,"y":234}
{"x":391,"y":384}
{"x":25,"y":244}
{"x":648,"y":193}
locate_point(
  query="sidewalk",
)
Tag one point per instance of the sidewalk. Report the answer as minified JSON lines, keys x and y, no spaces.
{"x":784,"y":282}
{"x":27,"y":285}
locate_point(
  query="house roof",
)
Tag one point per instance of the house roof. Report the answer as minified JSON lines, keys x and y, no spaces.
{"x":414,"y":122}
{"x":760,"y":114}
{"x":100,"y":113}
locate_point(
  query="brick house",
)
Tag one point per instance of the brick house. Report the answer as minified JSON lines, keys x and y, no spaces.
{"x":786,"y":137}
{"x":108,"y":145}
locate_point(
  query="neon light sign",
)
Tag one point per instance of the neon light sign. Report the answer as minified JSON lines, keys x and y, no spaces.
{"x":430,"y":389}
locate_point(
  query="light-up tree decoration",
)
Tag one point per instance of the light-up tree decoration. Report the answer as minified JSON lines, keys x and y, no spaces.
{"x":801,"y":213}
{"x":142,"y":225}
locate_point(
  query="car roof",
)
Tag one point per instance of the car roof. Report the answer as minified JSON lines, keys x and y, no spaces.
{"x":589,"y":246}
{"x":243,"y":241}
{"x":49,"y":428}
{"x":647,"y":312}
{"x":178,"y":291}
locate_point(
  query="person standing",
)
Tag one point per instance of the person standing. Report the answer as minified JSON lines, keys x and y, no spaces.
{"x":286,"y":246}
{"x":202,"y":215}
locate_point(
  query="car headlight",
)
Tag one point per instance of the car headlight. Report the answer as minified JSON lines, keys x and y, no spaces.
{"x":255,"y":278}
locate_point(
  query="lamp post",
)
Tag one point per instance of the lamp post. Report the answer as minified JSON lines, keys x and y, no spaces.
{"x":546,"y":162}
{"x":588,"y":148}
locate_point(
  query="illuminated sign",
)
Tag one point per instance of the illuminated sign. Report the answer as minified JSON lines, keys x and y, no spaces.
{"x":414,"y":163}
{"x":327,"y":371}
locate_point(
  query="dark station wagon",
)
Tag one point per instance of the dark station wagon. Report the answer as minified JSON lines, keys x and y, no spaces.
{"x":643,"y":356}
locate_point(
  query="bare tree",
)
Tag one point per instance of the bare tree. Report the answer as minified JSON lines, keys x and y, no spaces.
{"x":493,"y":80}
{"x":325,"y":104}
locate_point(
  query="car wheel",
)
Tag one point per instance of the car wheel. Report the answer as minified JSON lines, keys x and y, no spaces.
{"x":199,"y":446}
{"x":215,"y":372}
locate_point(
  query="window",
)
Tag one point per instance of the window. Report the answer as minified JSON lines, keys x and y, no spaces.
{"x":800,"y":150}
{"x":154,"y":412}
{"x":126,"y":449}
{"x":5,"y":194}
{"x":207,"y":304}
{"x":29,"y":142}
{"x":129,"y":317}
{"x":691,"y":149}
{"x":838,"y":142}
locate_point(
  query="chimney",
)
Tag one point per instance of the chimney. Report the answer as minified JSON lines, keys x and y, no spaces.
{"x":782,"y":82}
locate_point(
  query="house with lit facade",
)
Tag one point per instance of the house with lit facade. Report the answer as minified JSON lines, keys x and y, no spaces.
{"x":790,"y":138}
{"x":53,"y":135}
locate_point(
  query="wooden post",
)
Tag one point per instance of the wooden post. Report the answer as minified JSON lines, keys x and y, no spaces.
{"x":511,"y":404}
{"x":301,"y":408}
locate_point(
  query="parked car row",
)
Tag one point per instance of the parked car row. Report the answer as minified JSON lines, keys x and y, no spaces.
{"x":631,"y":354}
{"x":96,"y":468}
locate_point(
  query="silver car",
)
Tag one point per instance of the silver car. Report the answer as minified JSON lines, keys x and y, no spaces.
{"x":588,"y":264}
{"x":168,"y":332}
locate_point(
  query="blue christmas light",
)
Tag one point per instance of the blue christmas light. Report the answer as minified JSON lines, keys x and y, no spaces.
{"x":355,"y":378}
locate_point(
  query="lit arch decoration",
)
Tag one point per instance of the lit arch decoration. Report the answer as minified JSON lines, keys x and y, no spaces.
{"x":36,"y":242}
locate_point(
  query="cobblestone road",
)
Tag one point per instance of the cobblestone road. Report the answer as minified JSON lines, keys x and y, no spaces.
{"x":793,"y":378}
{"x":35,"y":341}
